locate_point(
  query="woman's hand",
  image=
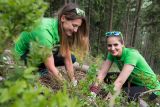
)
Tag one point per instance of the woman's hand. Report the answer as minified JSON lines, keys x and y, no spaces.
{"x":69,"y":65}
{"x":74,"y":82}
{"x":94,"y":89}
{"x":109,"y":96}
{"x":49,"y":63}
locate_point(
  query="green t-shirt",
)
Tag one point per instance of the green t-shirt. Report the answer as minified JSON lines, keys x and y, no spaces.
{"x":45,"y":34}
{"x":142,"y":74}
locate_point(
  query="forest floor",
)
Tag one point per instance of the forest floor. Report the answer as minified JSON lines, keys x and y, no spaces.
{"x":80,"y":75}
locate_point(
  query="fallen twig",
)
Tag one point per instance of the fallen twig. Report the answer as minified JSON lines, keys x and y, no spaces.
{"x":149,"y":91}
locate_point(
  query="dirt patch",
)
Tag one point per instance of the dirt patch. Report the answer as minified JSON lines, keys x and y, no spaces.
{"x":50,"y":82}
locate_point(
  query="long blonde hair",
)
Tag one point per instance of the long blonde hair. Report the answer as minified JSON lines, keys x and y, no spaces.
{"x":79,"y":41}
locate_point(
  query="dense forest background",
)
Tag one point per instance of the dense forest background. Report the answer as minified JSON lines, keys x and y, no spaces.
{"x":138,"y":20}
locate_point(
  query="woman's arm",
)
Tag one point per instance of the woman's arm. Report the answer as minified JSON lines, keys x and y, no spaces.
{"x":103,"y":71}
{"x":49,"y":63}
{"x":95,"y":88}
{"x":69,"y":65}
{"x":123,"y":76}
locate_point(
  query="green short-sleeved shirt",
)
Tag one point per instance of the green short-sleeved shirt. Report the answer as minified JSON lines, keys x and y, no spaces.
{"x":142,"y":74}
{"x":46,"y":34}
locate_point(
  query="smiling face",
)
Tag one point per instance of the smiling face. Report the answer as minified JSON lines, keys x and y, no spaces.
{"x":114,"y":46}
{"x":70,"y":26}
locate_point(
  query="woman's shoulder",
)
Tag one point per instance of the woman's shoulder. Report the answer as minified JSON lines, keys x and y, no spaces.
{"x":46,"y":21}
{"x":46,"y":24}
{"x":132,"y":51}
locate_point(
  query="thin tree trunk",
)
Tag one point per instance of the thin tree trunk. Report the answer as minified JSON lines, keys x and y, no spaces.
{"x":75,"y":1}
{"x":111,"y":15}
{"x":89,"y":14}
{"x":139,"y":3}
{"x":66,"y":1}
{"x":50,"y":8}
{"x":98,"y":41}
{"x":127,"y":21}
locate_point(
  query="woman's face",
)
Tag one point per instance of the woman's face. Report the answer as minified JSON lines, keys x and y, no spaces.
{"x":70,"y":26}
{"x":114,"y":46}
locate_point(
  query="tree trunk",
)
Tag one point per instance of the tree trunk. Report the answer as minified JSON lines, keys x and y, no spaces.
{"x":111,"y":15}
{"x":98,"y":40}
{"x":126,"y":23}
{"x":75,"y":1}
{"x":139,"y":3}
{"x":89,"y":14}
{"x":66,"y":1}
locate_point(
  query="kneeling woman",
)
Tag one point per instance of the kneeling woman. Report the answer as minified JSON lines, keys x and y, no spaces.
{"x":132,"y":65}
{"x":69,"y":31}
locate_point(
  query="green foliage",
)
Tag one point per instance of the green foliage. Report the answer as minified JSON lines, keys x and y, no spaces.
{"x":17,"y":16}
{"x":38,"y":54}
{"x":83,"y":93}
{"x":24,"y":90}
{"x":63,"y":99}
{"x":90,"y":78}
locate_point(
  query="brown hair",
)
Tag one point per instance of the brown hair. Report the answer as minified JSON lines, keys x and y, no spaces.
{"x":80,"y":40}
